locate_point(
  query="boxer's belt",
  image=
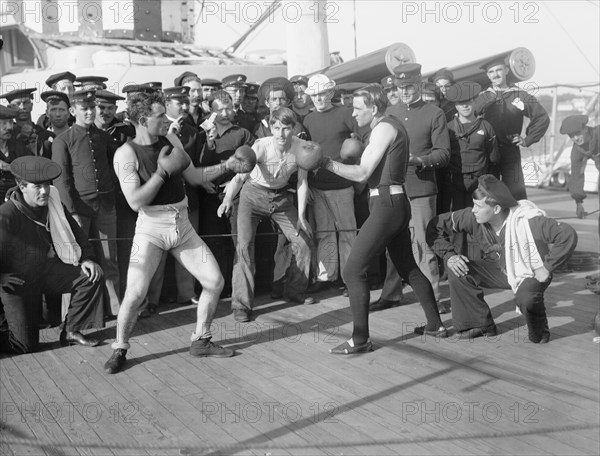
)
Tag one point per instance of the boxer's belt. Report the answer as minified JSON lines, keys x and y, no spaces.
{"x":394,"y":190}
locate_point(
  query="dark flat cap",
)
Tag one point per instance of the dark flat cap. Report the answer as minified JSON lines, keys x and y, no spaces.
{"x":299,"y":79}
{"x":131,"y":88}
{"x":211,"y":82}
{"x":8,"y":113}
{"x":35,"y":169}
{"x":18,"y":94}
{"x":86,"y":82}
{"x":84,"y":96}
{"x":463,"y":91}
{"x":106,"y":96}
{"x":176,"y":93}
{"x":51,"y":95}
{"x":252,"y":90}
{"x":573,"y":124}
{"x":444,"y":73}
{"x":53,"y":79}
{"x":234,"y":80}
{"x":154,"y":84}
{"x":493,"y":62}
{"x":186,"y":77}
{"x":497,"y":190}
{"x":388,"y":81}
{"x":407,"y":73}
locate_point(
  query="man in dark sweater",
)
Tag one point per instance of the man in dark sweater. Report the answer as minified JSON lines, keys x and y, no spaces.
{"x":429,"y":150}
{"x":504,"y":106}
{"x":44,"y":250}
{"x":333,"y":196}
{"x":510,"y":251}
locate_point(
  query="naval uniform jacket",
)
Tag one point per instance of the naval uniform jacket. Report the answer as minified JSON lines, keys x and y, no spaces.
{"x":38,"y":140}
{"x":429,"y":140}
{"x":26,"y":246}
{"x":87,"y":172}
{"x":489,"y":247}
{"x":505,"y":110}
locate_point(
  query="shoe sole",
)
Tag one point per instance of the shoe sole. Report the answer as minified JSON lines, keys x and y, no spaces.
{"x":68,"y":343}
{"x":367,"y":349}
{"x":212,"y":355}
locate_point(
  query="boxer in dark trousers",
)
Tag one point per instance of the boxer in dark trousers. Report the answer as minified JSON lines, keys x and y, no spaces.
{"x":383,"y":167}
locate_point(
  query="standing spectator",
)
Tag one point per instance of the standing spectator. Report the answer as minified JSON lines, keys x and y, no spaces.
{"x":222,"y":140}
{"x":473,"y":149}
{"x":87,"y":187}
{"x":333,"y":196}
{"x":391,"y":90}
{"x":57,"y":111}
{"x":504,"y":106}
{"x":35,"y":138}
{"x":301,"y":103}
{"x":235,"y":85}
{"x":10,"y":149}
{"x":586,"y":146}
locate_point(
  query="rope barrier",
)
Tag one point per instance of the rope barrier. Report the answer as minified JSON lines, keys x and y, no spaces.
{"x":277,"y":233}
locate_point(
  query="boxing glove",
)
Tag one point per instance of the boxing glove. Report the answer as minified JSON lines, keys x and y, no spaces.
{"x":172,"y":161}
{"x":351,"y":151}
{"x":242,"y":161}
{"x":309,"y":156}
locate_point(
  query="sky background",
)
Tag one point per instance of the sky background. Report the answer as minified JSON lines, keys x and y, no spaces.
{"x":564,"y":36}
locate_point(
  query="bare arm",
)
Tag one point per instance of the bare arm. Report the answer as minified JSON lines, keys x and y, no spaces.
{"x":381,"y":137}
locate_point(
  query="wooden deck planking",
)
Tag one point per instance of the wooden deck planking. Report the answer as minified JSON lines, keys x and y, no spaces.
{"x":556,"y":386}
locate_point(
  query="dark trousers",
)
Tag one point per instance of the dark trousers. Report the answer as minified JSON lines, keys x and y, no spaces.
{"x":469,"y":309}
{"x":19,"y":325}
{"x":210,"y":224}
{"x":511,"y":170}
{"x":386,"y":227}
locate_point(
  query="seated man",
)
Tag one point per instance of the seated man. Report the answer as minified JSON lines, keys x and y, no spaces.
{"x":513,"y":238}
{"x":265,"y":195}
{"x":44,"y":250}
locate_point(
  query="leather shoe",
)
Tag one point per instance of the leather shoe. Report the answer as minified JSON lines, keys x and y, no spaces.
{"x":76,"y":338}
{"x":543,"y":339}
{"x":472,"y":333}
{"x":348,"y":349}
{"x":440,"y":332}
{"x":116,"y":361}
{"x":242,"y":315}
{"x":382,"y":304}
{"x":307,"y":300}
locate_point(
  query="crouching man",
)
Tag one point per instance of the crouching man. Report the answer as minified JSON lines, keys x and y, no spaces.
{"x":43,"y":250}
{"x":511,"y":251}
